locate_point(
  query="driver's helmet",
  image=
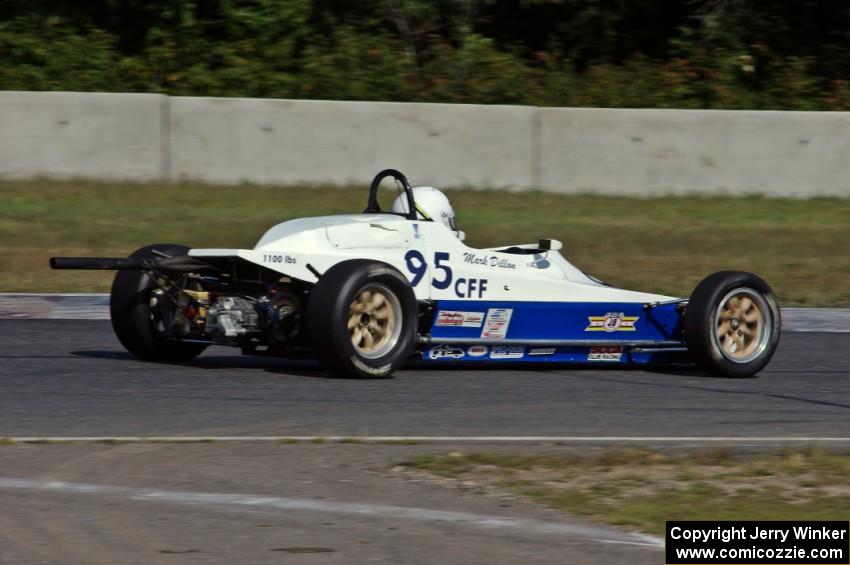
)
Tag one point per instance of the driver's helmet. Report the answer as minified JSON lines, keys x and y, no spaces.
{"x":431,"y":204}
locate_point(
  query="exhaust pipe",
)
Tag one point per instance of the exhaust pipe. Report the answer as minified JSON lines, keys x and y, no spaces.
{"x":179,"y":264}
{"x":100,"y":263}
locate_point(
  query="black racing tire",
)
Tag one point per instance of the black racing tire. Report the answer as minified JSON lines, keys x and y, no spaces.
{"x":340,"y":310}
{"x":129,"y":308}
{"x":732,"y":324}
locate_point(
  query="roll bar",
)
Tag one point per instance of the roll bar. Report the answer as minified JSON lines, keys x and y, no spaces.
{"x":374,"y":208}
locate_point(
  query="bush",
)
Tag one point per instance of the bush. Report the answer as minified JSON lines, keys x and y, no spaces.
{"x":643,"y":53}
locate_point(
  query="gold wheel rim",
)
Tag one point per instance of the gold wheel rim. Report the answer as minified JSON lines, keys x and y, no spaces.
{"x":373,"y":321}
{"x":742,"y":325}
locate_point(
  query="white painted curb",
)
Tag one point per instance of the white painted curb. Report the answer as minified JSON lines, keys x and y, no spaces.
{"x":26,"y":306}
{"x":589,"y":532}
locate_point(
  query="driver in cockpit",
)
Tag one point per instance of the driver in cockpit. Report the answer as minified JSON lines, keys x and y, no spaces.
{"x":431,"y":205}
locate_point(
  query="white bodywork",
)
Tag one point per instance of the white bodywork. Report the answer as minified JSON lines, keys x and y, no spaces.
{"x":324,"y":241}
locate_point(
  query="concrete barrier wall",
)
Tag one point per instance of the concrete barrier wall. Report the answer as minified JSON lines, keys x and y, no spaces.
{"x":143,"y":137}
{"x":641,"y":152}
{"x":293,"y":141}
{"x":86,"y":135}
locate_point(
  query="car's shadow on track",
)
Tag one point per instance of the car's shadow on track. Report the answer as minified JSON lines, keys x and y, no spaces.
{"x":689,"y":371}
{"x":674,"y":371}
{"x":283,"y":367}
{"x":310,"y":368}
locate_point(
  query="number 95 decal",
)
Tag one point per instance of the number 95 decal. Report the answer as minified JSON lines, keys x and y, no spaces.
{"x":443,"y":277}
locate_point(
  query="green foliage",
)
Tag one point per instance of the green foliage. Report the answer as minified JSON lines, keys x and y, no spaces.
{"x":627,"y":53}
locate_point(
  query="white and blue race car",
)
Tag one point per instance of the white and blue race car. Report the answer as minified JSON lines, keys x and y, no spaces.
{"x":366,"y":293}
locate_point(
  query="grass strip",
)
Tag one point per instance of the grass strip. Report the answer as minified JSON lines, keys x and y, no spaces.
{"x":655,"y":244}
{"x":640,"y":489}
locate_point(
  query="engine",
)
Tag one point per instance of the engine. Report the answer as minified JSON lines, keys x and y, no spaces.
{"x":271,"y":321}
{"x":232,"y":317}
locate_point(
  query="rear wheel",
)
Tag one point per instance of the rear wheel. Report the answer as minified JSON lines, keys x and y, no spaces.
{"x":362,"y":319}
{"x":732,"y":324}
{"x":140,"y":320}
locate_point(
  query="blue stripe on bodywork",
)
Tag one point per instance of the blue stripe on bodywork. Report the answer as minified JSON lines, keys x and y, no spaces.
{"x":565,"y":321}
{"x":606,"y":356}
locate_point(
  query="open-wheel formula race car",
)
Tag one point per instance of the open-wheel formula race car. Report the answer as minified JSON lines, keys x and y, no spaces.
{"x":366,"y":293}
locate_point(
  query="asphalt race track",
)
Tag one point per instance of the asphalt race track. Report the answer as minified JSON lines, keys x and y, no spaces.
{"x":72,"y":378}
{"x":106,"y":502}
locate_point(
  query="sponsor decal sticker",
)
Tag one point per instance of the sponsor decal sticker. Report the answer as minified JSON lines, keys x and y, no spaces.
{"x":605,"y":353}
{"x":461,"y":319}
{"x":612,"y":322}
{"x":542,"y":351}
{"x":497,"y":323}
{"x":540,"y":261}
{"x":445,"y":351}
{"x":477,"y":350}
{"x":507,"y":352}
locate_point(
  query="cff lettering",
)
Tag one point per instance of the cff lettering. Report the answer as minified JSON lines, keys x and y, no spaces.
{"x":470,"y":288}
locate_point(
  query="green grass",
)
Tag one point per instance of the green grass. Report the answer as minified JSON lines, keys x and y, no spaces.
{"x":656,"y":244}
{"x":642,"y":489}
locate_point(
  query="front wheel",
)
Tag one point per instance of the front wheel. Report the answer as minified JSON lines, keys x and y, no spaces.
{"x":361,"y":318}
{"x":732,"y":324}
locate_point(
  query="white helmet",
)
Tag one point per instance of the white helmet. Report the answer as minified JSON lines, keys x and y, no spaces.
{"x":431,"y":204}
